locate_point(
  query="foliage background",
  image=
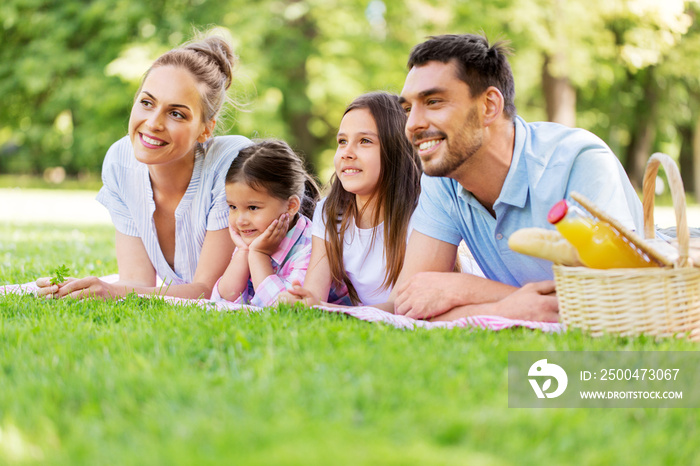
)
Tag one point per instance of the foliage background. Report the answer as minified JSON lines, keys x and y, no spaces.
{"x":628,"y":70}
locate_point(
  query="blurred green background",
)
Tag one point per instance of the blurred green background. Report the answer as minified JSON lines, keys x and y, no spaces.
{"x":628,"y":70}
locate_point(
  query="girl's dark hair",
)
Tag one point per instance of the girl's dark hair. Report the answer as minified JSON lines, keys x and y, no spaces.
{"x":274,"y":166}
{"x":396,"y":195}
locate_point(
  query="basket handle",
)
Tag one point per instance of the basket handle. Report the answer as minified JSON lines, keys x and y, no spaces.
{"x":677,"y":195}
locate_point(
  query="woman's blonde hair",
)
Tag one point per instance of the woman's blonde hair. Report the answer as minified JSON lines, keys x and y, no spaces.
{"x":210,"y":59}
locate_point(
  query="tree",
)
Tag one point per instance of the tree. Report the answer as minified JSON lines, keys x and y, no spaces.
{"x":68,"y":69}
{"x":61,"y":108}
{"x":680,"y":105}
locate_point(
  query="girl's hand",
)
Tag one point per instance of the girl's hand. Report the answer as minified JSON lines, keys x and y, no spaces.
{"x":298,"y":294}
{"x":237,"y":240}
{"x":268,"y":242}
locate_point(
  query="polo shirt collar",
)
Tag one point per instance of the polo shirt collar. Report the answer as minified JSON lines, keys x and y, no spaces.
{"x":516,"y":186}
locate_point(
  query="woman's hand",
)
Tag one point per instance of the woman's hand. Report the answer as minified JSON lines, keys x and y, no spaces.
{"x":268,"y":242}
{"x":79,"y":288}
{"x":46,"y":288}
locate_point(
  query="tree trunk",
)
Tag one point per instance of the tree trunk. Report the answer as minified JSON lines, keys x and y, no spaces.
{"x":643,"y":131}
{"x":559,"y":94}
{"x":292,"y":47}
{"x":696,"y":160}
{"x":689,"y":159}
{"x":685,"y":160}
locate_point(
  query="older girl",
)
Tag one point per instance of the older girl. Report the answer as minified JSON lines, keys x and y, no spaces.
{"x":361,"y":228}
{"x":164,"y":182}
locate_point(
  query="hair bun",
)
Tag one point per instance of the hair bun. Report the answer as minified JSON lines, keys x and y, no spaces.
{"x":210,"y":59}
{"x":218,"y":50}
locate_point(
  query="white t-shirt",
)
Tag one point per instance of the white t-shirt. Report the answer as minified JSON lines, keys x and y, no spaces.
{"x":363,"y":260}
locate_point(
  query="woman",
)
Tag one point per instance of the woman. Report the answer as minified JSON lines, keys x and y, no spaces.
{"x":164,"y":182}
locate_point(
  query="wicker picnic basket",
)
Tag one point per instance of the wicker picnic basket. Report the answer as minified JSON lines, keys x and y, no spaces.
{"x":660,"y":301}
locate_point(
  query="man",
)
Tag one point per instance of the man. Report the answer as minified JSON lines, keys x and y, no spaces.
{"x":489,"y":173}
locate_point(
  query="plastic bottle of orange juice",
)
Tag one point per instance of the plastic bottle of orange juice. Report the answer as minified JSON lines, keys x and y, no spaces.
{"x":599,"y":245}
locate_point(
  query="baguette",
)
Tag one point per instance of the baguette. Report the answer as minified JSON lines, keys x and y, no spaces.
{"x":545,"y":244}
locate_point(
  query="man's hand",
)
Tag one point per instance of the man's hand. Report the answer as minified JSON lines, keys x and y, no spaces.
{"x":535,"y":301}
{"x":429,"y":294}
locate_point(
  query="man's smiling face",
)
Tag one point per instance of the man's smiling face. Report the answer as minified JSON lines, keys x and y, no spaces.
{"x":443,"y":118}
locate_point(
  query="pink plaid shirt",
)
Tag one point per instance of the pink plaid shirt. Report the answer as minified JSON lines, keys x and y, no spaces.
{"x":289,"y":263}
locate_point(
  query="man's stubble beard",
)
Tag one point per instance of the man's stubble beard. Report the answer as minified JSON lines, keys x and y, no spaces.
{"x":459,"y":150}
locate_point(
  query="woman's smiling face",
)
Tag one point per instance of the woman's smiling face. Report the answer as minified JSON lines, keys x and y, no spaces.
{"x":166,"y":118}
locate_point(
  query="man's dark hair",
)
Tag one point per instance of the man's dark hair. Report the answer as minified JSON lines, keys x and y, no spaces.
{"x":479,"y":64}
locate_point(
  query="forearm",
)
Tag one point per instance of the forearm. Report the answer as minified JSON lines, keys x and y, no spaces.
{"x":234,"y":281}
{"x":469,"y":311}
{"x":535,"y":301}
{"x":386,"y":307}
{"x":453,"y":289}
{"x":317,"y":281}
{"x":472,"y":290}
{"x":429,"y":294}
{"x":318,"y":286}
{"x":477,"y":296}
{"x":195,"y":290}
{"x":260,"y":266}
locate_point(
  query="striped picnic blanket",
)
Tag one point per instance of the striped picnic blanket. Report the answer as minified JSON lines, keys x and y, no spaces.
{"x":366,"y":313}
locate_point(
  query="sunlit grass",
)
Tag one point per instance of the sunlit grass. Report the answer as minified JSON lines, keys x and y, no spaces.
{"x":141,"y":381}
{"x":31,"y":251}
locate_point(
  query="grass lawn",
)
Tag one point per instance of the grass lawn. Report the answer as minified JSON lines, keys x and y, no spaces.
{"x":143,"y":382}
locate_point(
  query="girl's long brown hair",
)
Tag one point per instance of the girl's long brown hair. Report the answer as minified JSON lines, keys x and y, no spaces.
{"x":396,"y":195}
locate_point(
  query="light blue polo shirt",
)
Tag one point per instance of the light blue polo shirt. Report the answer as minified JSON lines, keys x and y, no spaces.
{"x":549,"y":162}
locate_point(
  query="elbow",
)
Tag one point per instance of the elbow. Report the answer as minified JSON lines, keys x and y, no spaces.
{"x":202,"y":290}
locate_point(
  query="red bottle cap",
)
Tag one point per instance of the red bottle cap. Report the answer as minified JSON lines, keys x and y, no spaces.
{"x":558,"y":212}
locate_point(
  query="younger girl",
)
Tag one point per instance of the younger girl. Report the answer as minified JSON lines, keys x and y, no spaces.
{"x":270,"y":197}
{"x":361,"y":229}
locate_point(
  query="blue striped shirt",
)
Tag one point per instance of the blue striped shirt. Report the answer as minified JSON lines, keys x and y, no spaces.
{"x":127,"y":194}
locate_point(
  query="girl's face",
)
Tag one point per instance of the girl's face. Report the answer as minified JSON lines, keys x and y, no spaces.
{"x":251,"y":211}
{"x":357,"y":160}
{"x":166,"y":118}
